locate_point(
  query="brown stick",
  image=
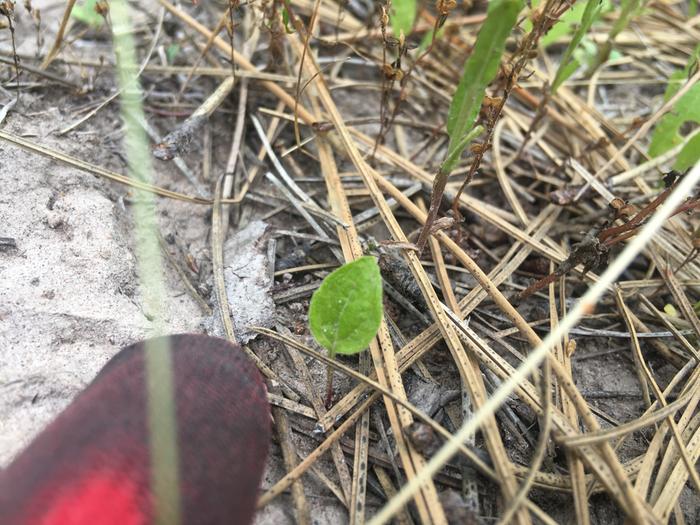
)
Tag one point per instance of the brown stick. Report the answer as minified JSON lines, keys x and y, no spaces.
{"x":59,"y":36}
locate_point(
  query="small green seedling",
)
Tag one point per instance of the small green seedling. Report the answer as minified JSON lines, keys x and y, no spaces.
{"x":346,"y":310}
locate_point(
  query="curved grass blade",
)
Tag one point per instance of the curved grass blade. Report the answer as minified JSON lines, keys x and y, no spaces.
{"x":481,"y":68}
{"x":569,"y":64}
{"x":403,"y":15}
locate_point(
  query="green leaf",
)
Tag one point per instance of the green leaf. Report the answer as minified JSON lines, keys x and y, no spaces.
{"x":569,"y":64}
{"x":403,"y":14}
{"x":171,"y":52}
{"x":628,"y":9}
{"x":481,"y":68}
{"x":453,"y":157}
{"x":689,"y":155}
{"x":86,"y":13}
{"x":670,"y":310}
{"x":285,"y":19}
{"x":346,"y":310}
{"x":667,"y":132}
{"x":565,"y":26}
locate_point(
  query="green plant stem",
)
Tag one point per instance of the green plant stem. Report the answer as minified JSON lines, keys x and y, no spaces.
{"x":568,"y":63}
{"x":440,"y":182}
{"x":479,"y":70}
{"x":628,"y":9}
{"x":329,"y":381}
{"x":162,"y":425}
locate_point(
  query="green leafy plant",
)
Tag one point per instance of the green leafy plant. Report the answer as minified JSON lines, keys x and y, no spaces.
{"x":346,"y":310}
{"x":570,"y":62}
{"x":479,"y":70}
{"x":667,"y":133}
{"x":288,"y":26}
{"x":569,"y":22}
{"x":403,"y":15}
{"x":86,"y":13}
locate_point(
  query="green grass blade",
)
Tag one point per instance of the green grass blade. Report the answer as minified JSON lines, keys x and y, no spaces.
{"x":403,"y":15}
{"x":628,"y":9}
{"x":569,"y":64}
{"x":159,"y":381}
{"x":453,"y":157}
{"x":481,"y":68}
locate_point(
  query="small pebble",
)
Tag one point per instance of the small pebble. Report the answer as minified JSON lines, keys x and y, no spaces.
{"x":54,"y":220}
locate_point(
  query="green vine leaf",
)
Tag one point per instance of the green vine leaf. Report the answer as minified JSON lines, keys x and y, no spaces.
{"x":570,"y":22}
{"x":346,"y":310}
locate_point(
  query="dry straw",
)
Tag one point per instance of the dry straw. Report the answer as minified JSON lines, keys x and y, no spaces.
{"x":584,"y":305}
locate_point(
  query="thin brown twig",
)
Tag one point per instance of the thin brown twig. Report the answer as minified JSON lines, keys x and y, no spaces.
{"x":59,"y":36}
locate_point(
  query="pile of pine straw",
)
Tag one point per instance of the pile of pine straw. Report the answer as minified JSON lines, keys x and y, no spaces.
{"x":559,"y":171}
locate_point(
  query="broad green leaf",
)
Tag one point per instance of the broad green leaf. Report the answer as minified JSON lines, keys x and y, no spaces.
{"x":346,"y":310}
{"x":85,"y":12}
{"x":667,"y":133}
{"x":403,"y":14}
{"x":569,"y":64}
{"x":481,"y":68}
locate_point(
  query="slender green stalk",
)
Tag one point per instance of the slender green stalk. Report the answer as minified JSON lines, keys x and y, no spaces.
{"x":440,"y":182}
{"x":628,"y":8}
{"x":569,"y":64}
{"x":158,"y":363}
{"x":479,"y":70}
